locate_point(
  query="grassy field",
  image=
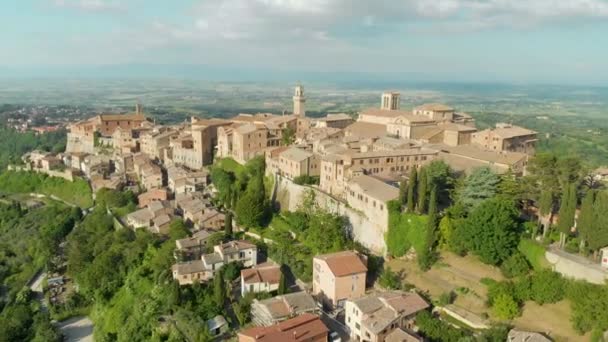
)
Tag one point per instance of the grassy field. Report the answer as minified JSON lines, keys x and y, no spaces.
{"x":463,"y":276}
{"x":534,"y":253}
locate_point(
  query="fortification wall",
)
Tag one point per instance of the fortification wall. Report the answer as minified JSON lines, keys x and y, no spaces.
{"x":370,"y":234}
{"x":576,"y":267}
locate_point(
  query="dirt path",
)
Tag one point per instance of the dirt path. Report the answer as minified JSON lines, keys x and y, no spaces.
{"x":77,"y":329}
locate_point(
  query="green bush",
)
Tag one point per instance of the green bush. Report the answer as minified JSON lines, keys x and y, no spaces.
{"x":308,"y":180}
{"x":405,"y":230}
{"x":516,"y":265}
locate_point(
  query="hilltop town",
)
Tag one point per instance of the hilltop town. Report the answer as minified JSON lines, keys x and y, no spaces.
{"x":301,"y":218}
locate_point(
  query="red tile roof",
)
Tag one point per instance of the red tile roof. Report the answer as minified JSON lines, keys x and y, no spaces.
{"x":343,"y":263}
{"x":305,"y":327}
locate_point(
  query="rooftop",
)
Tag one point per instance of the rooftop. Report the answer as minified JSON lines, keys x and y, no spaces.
{"x":296,"y":154}
{"x":436,"y":107}
{"x":366,"y":129}
{"x":375,"y":188}
{"x":122,"y":117}
{"x":263,"y":273}
{"x":288,"y":304}
{"x":189,"y":267}
{"x":343,"y":263}
{"x":301,"y":328}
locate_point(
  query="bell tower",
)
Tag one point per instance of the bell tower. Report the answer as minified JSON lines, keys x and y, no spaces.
{"x":298,"y":101}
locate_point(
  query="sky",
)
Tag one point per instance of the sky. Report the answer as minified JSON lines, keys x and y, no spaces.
{"x":520,"y":41}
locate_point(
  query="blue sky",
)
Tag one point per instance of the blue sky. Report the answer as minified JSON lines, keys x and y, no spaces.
{"x":555,"y":41}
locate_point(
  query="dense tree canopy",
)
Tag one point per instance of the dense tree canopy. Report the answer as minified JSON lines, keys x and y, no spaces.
{"x":491,"y":230}
{"x":480,"y":185}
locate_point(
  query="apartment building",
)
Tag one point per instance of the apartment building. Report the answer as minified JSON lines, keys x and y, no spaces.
{"x":108,"y":123}
{"x":466,"y":158}
{"x":156,"y":142}
{"x":435,"y":111}
{"x":252,"y":135}
{"x":372,"y":318}
{"x":295,"y":162}
{"x":339,"y":120}
{"x":370,"y":195}
{"x":448,"y":133}
{"x":194,"y":147}
{"x":338,"y":277}
{"x":507,"y":137}
{"x":336,"y":170}
{"x":203,"y":269}
{"x":81,"y":137}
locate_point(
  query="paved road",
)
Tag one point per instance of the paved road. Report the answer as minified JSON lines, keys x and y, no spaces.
{"x":77,"y":329}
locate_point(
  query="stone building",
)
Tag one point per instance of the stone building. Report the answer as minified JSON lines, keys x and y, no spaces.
{"x":507,"y":137}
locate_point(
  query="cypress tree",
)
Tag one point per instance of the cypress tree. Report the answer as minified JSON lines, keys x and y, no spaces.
{"x":411,"y":190}
{"x":432,"y":222}
{"x":545,"y":205}
{"x":599,"y":234}
{"x":403,"y":190}
{"x":584,"y":224}
{"x":566,"y":212}
{"x":228,"y":224}
{"x":422,"y":191}
{"x":282,"y":283}
{"x":426,"y":257}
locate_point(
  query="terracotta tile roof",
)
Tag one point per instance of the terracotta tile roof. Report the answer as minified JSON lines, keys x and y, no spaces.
{"x":264,"y":273}
{"x":343,"y":263}
{"x":366,"y":129}
{"x":302,"y":328}
{"x":122,"y":117}
{"x":400,"y":335}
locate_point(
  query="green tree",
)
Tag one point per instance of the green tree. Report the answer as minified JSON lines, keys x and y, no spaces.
{"x":403,"y":192}
{"x":282,"y":282}
{"x":411,"y":190}
{"x":427,"y":257}
{"x":600,"y":231}
{"x":422,"y":191}
{"x":288,"y":136}
{"x":389,"y":279}
{"x":219,"y":293}
{"x":545,"y":209}
{"x":566,"y":212}
{"x":585,"y":224}
{"x":515,"y":265}
{"x":547,"y":287}
{"x":505,"y":307}
{"x":439,"y":175}
{"x":228,"y":224}
{"x":510,"y":186}
{"x":480,"y":185}
{"x":491,"y":230}
{"x":252,"y":207}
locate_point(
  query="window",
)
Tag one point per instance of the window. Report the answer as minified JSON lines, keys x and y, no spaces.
{"x":357,"y":326}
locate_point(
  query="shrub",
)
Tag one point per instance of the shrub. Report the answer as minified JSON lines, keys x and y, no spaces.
{"x":505,"y":307}
{"x":516,"y":265}
{"x":547,"y":287}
